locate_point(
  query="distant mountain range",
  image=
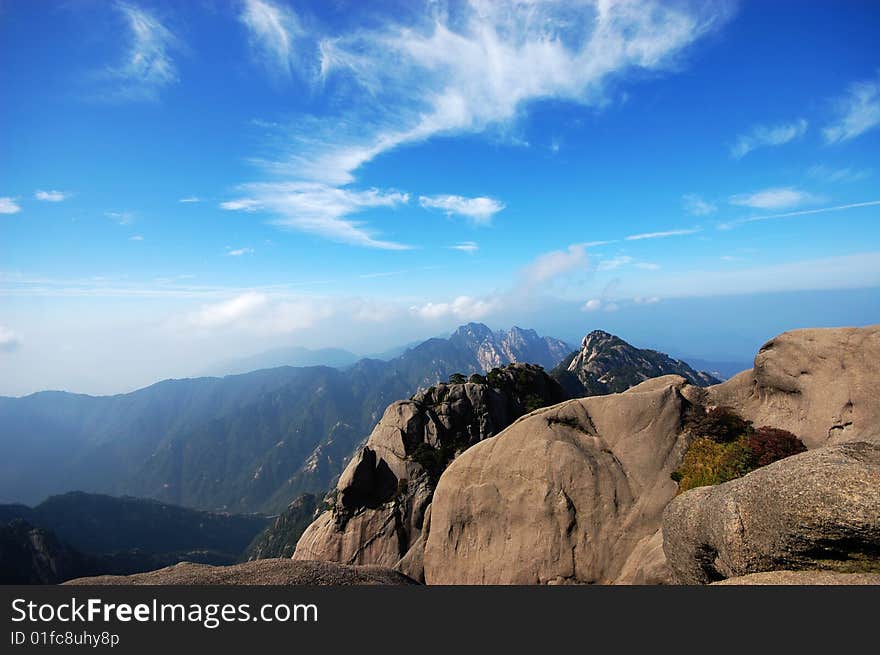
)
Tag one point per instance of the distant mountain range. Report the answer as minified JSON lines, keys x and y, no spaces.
{"x":290,"y":356}
{"x":78,"y":534}
{"x":242,"y":443}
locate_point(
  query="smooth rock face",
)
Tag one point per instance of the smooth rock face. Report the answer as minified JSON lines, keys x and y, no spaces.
{"x":258,"y":572}
{"x":564,"y":495}
{"x":816,"y":510}
{"x":384,"y":493}
{"x":820,"y":384}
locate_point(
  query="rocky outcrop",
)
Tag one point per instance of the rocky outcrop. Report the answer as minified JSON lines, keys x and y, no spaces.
{"x":816,"y":510}
{"x":261,"y":572}
{"x":576,"y":492}
{"x":565,"y":495}
{"x":608,"y":364}
{"x":820,"y":384}
{"x":382,"y":497}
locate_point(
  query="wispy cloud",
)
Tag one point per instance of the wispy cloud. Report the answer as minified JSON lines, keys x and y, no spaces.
{"x":614,"y":263}
{"x":553,"y":264}
{"x":662,"y":235}
{"x":857,"y":112}
{"x":803,"y":212}
{"x":273,"y":30}
{"x":123,"y":218}
{"x":320,"y":209}
{"x":136,"y":237}
{"x":52,"y":196}
{"x":147,"y":67}
{"x":9,"y":340}
{"x":762,"y":136}
{"x":834,"y":175}
{"x":774,"y":198}
{"x":479,"y":210}
{"x":466,"y":246}
{"x":189,"y":199}
{"x":696,"y":206}
{"x":9,"y":206}
{"x":238,"y":252}
{"x":441,"y":72}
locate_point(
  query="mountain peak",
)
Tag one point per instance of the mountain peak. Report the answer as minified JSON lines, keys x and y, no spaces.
{"x":608,"y":364}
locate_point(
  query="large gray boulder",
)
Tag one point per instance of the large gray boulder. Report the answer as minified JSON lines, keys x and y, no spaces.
{"x":816,"y":510}
{"x":820,"y":384}
{"x":564,"y":495}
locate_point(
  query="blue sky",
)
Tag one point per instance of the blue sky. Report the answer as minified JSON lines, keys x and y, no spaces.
{"x":185,"y":182}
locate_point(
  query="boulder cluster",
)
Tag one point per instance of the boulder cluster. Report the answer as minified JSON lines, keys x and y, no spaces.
{"x":455,"y":487}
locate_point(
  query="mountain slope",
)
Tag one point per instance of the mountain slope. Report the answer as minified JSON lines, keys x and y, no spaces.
{"x":608,"y":364}
{"x":242,"y":443}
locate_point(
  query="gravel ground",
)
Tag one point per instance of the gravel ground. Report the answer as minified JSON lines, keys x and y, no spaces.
{"x":259,"y":572}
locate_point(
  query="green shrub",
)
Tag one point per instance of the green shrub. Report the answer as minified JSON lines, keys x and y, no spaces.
{"x":457,"y":378}
{"x":709,"y":461}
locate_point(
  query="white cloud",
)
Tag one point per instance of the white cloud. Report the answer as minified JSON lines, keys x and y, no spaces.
{"x":448,"y":70}
{"x":662,"y":235}
{"x":136,"y":237}
{"x":553,"y":264}
{"x":775,"y":198}
{"x":147,"y":67}
{"x":273,"y":30}
{"x":695,"y":205}
{"x":857,"y":112}
{"x":650,"y":300}
{"x":190,"y":199}
{"x":238,"y":252}
{"x":123,"y":218}
{"x":480,"y":210}
{"x":479,"y":66}
{"x":466,"y":246}
{"x":9,"y":206}
{"x":320,"y":209}
{"x":9,"y":340}
{"x":463,"y":308}
{"x":52,"y":196}
{"x":261,"y":313}
{"x":762,"y":136}
{"x":592,"y":305}
{"x":614,"y":263}
{"x":648,"y":266}
{"x":833,"y":175}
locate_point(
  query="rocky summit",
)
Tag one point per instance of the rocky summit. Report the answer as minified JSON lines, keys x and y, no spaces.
{"x":608,"y":364}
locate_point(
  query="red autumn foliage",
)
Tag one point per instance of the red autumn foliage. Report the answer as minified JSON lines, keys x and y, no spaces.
{"x":770,"y":444}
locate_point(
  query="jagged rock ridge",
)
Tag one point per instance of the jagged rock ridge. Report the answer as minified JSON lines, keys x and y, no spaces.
{"x":608,"y":364}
